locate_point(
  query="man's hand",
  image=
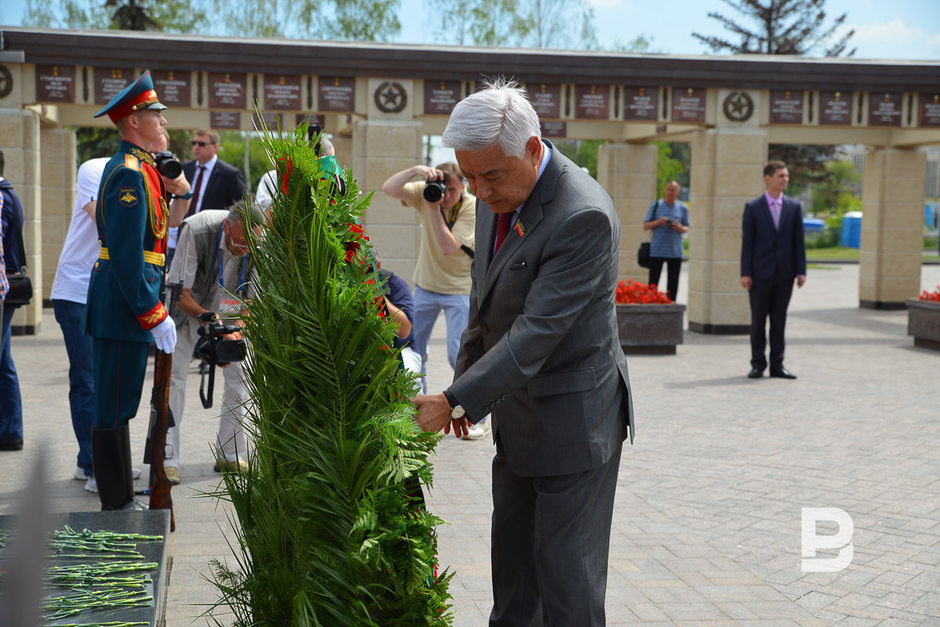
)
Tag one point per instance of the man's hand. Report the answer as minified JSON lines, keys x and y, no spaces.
{"x":434,"y":415}
{"x":746,"y":282}
{"x":800,"y":280}
{"x":178,"y":186}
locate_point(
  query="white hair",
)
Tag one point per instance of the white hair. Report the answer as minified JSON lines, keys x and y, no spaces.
{"x":499,"y":113}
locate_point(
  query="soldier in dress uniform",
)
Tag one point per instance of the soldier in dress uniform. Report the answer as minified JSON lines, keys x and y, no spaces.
{"x":124,"y":313}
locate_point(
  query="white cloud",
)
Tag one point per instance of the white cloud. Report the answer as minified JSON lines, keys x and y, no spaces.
{"x":895,"y":31}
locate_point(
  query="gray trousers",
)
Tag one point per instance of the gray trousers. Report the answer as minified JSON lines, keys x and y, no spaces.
{"x":550,"y":545}
{"x":231,"y":437}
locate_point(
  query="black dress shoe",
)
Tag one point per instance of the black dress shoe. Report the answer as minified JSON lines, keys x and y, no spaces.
{"x":755,"y":373}
{"x":11,"y":445}
{"x":782,"y":373}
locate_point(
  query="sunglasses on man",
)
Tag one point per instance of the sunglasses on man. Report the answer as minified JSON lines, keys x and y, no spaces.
{"x":199,"y":143}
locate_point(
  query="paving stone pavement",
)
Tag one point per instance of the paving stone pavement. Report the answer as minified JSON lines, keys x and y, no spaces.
{"x":707,"y":520}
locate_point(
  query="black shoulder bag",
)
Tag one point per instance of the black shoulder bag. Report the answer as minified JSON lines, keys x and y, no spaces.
{"x":21,"y":287}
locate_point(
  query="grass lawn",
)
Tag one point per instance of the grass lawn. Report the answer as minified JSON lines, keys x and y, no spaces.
{"x":837,"y":253}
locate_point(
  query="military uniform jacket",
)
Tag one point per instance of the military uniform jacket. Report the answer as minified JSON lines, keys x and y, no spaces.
{"x":131,"y":215}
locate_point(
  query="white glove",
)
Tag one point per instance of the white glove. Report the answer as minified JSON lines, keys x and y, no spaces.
{"x":164,"y":335}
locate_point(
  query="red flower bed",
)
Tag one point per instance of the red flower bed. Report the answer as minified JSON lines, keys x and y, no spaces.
{"x":634,"y":293}
{"x":933,"y":296}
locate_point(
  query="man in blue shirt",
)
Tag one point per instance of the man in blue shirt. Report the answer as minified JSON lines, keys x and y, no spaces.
{"x":668,"y":218}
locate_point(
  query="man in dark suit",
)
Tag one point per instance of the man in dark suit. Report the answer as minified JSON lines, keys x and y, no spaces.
{"x":542,"y":354}
{"x":215,"y":183}
{"x":773,"y":254}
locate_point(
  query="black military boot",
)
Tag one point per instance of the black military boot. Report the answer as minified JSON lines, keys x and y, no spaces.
{"x":111,"y":457}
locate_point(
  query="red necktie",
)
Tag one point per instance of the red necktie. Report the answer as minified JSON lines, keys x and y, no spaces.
{"x":502,"y":230}
{"x":196,"y":187}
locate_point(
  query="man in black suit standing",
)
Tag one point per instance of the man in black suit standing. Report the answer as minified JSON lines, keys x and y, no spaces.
{"x":773,"y":254}
{"x":215,"y":183}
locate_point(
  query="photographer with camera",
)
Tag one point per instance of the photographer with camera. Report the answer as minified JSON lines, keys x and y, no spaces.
{"x":668,"y":218}
{"x":217,"y":278}
{"x":442,"y":273}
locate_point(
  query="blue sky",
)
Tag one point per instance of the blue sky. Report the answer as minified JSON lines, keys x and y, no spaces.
{"x":885,"y":29}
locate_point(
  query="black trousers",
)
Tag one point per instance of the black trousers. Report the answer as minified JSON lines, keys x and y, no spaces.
{"x":673,"y":265}
{"x":769,"y":298}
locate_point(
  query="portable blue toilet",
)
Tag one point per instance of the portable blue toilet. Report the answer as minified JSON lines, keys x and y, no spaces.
{"x":851,"y":236}
{"x":812,"y":225}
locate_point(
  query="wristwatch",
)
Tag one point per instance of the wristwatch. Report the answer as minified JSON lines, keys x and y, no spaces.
{"x":185,"y":196}
{"x":456,"y":409}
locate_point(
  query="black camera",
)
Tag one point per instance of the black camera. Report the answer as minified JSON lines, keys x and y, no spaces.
{"x":215,"y":350}
{"x":213,"y":347}
{"x":168,"y":164}
{"x":434,"y":191}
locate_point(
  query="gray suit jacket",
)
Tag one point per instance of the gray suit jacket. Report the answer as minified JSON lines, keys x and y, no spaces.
{"x":541,"y":350}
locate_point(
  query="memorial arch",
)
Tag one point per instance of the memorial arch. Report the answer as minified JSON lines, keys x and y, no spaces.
{"x":379,"y":100}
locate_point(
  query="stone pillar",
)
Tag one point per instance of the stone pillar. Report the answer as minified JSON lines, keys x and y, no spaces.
{"x":382,"y":148}
{"x":58,"y":199}
{"x":892,"y":228}
{"x":727,"y":166}
{"x":343,"y":144}
{"x":628,"y":173}
{"x":19,"y":140}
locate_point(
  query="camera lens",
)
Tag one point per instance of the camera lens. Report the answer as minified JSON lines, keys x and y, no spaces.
{"x":434,"y":191}
{"x":167,"y":164}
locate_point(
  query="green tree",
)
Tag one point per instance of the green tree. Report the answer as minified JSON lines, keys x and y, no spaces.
{"x":515,"y":23}
{"x":668,"y":168}
{"x":307,"y":19}
{"x":162,"y":15}
{"x":796,"y":27}
{"x":330,"y":526}
{"x":582,"y":151}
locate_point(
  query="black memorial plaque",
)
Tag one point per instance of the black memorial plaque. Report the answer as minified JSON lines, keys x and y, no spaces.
{"x":640,"y":103}
{"x":441,"y":96}
{"x":786,"y":107}
{"x":109,"y":82}
{"x":337,"y":94}
{"x":173,"y":88}
{"x":281,"y":91}
{"x":592,"y":102}
{"x":55,"y":83}
{"x":688,"y":104}
{"x":545,"y":99}
{"x":227,"y":90}
{"x":554,"y":129}
{"x":273,"y":121}
{"x":228,"y":120}
{"x":929,"y":110}
{"x":884,"y":109}
{"x":835,"y":108}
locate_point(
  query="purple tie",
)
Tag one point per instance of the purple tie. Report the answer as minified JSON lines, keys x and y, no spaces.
{"x":775,"y":212}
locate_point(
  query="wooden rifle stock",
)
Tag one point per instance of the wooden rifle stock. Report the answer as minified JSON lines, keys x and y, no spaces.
{"x":161,"y":419}
{"x":160,"y":486}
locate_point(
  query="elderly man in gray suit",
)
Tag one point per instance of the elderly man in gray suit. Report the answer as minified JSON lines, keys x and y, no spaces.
{"x":541,"y":353}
